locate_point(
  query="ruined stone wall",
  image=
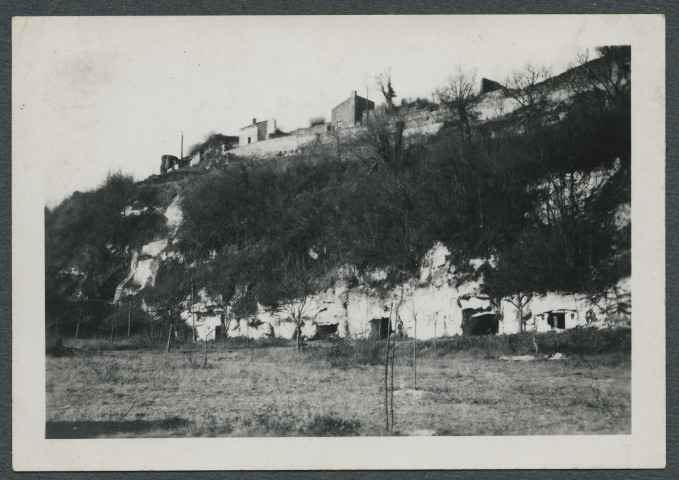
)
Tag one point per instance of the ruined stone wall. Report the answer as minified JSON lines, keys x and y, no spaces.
{"x":274,"y":146}
{"x":419,"y":125}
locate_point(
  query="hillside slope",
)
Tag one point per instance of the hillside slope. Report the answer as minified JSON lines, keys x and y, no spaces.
{"x":500,"y":231}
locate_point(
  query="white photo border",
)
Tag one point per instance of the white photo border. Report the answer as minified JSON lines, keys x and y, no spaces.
{"x":643,"y":448}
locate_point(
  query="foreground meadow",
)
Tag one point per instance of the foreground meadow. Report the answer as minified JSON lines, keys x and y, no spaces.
{"x":274,"y":390}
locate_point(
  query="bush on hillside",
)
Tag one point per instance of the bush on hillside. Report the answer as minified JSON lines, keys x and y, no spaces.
{"x":213,"y":141}
{"x":313,"y":121}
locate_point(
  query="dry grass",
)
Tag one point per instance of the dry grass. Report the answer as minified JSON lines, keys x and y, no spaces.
{"x":275,"y":391}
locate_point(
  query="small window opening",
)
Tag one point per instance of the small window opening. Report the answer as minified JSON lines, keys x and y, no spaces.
{"x":379,"y":328}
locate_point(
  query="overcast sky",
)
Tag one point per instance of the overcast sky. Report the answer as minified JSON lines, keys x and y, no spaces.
{"x":99,"y":94}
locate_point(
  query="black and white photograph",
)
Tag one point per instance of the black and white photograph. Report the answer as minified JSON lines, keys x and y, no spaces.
{"x":279,"y":229}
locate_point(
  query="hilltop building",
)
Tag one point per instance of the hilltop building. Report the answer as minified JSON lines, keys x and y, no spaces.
{"x":488,"y":86}
{"x":352,"y":111}
{"x":170,"y":163}
{"x":256,"y":132}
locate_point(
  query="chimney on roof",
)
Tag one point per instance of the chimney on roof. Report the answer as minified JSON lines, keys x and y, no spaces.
{"x":353,"y":93}
{"x":254,"y":122}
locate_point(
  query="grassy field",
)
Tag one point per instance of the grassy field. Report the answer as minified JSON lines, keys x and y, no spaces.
{"x":333,"y":388}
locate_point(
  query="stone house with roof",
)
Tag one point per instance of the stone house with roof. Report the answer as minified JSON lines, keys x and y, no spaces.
{"x":256,"y":132}
{"x":351,"y":112}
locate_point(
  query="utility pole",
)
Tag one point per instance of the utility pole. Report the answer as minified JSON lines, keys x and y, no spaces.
{"x":181,"y":154}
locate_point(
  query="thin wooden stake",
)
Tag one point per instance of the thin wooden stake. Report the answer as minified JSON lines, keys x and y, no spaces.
{"x":169,"y":333}
{"x":415,"y":352}
{"x":205,"y":360}
{"x":386,"y":386}
{"x":435,"y":322}
{"x":393,"y":354}
{"x":80,"y":316}
{"x":386,"y":371}
{"x":193,"y":312}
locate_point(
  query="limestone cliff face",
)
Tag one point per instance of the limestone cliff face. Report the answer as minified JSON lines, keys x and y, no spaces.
{"x":432,"y":306}
{"x":146,"y":261}
{"x":440,"y":302}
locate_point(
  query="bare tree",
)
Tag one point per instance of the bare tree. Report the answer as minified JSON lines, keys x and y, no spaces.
{"x":520,"y":300}
{"x":579,"y":80}
{"x":531,"y":89}
{"x":460,"y":97}
{"x":384,"y":136}
{"x":294,"y":293}
{"x":296,"y":309}
{"x":607,"y":75}
{"x":414,"y":314}
{"x":383,"y":81}
{"x":336,"y":136}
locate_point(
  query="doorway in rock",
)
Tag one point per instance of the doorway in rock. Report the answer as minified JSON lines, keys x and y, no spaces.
{"x":480,"y":323}
{"x":557,"y":320}
{"x":325,"y":331}
{"x":379,"y":328}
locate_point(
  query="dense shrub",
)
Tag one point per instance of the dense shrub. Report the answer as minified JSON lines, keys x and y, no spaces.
{"x":580,"y":341}
{"x":345,"y":354}
{"x":313,"y":121}
{"x":213,"y":141}
{"x":331,"y":425}
{"x":419,"y":104}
